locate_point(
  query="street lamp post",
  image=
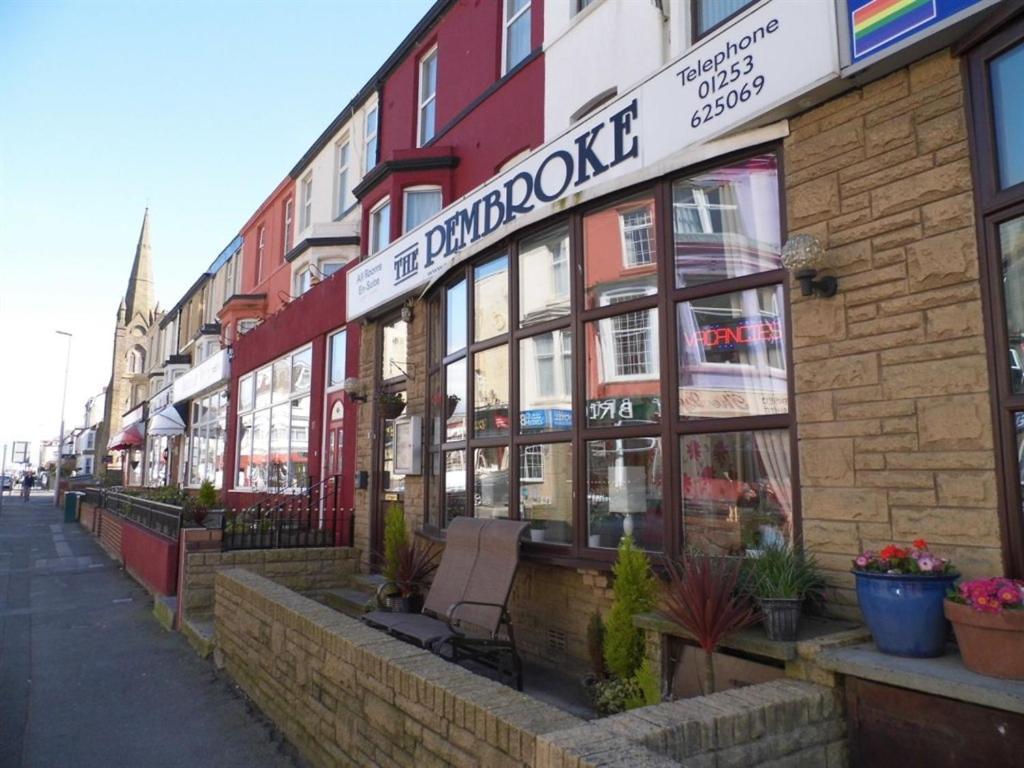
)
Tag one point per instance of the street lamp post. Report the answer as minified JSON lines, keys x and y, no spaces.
{"x":63,"y":401}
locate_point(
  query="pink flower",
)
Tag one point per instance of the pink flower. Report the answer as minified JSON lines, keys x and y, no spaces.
{"x":861,"y":562}
{"x":1009,"y":595}
{"x":927,"y":564}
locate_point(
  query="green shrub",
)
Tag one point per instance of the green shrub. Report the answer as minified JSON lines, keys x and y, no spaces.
{"x":635,"y":589}
{"x":395,"y":539}
{"x":645,"y":690}
{"x":595,"y":646}
{"x":784,"y":571}
{"x":207,"y":496}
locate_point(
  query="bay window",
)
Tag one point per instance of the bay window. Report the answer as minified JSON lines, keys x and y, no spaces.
{"x":273,"y":424}
{"x":206,"y":434}
{"x":635,"y":368}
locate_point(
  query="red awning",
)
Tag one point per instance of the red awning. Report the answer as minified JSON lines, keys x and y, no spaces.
{"x":126,"y":438}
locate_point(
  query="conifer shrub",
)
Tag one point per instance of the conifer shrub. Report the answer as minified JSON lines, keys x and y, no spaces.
{"x":395,"y":539}
{"x":635,"y":591}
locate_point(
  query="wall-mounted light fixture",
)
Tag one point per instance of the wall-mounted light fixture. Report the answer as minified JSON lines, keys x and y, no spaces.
{"x":803,"y":256}
{"x":406,"y":313}
{"x":353,"y":389}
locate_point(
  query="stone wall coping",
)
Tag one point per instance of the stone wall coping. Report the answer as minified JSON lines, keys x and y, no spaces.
{"x":943,"y":676}
{"x":815,"y":633}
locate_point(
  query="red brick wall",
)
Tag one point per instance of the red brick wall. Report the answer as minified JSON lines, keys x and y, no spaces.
{"x":151,"y":559}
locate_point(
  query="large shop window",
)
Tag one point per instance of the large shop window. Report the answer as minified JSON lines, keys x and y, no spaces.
{"x":996,"y":68}
{"x":643,"y":387}
{"x":206,"y":435}
{"x":273,"y":424}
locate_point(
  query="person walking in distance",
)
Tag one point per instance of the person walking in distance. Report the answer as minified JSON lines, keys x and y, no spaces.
{"x":26,"y":486}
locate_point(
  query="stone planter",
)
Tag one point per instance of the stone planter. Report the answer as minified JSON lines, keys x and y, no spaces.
{"x":991,"y":644}
{"x":781,"y":617}
{"x":904,"y":612}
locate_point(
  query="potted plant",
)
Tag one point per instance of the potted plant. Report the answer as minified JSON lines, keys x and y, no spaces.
{"x":988,"y":619}
{"x":901,"y":591}
{"x":206,"y":499}
{"x":391,"y":404}
{"x":537,"y":531}
{"x":702,"y":596}
{"x":415,"y":563}
{"x":780,"y":578}
{"x":396,"y":538}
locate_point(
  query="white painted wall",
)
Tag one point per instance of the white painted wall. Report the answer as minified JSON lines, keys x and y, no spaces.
{"x":611,"y":43}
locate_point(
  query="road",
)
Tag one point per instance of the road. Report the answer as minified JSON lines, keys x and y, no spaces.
{"x":89,"y":679}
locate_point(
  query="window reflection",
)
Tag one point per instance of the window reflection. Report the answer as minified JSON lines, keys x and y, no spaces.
{"x":490,"y":392}
{"x":490,"y":482}
{"x":490,"y":299}
{"x":731,"y":355}
{"x":620,"y":252}
{"x":455,"y":404}
{"x":1011,"y":248}
{"x":624,"y":492}
{"x":726,"y":222}
{"x":737,"y":494}
{"x":1007,"y":74}
{"x":393,"y":482}
{"x":456,"y":330}
{"x":454,"y":485}
{"x":545,"y":382}
{"x":623,"y":379}
{"x":544,"y":277}
{"x":394,"y":357}
{"x":545,"y":484}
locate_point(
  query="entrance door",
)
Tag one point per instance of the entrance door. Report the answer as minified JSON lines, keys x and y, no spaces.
{"x":390,"y":485}
{"x":332,"y":501}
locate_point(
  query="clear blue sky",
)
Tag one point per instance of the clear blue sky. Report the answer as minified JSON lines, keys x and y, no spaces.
{"x":197,"y":109}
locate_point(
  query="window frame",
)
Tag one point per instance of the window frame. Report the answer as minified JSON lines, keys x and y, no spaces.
{"x":670,"y":428}
{"x":414,"y":190}
{"x":241,"y":413}
{"x":696,"y":35}
{"x":507,"y":28}
{"x":342,"y":151}
{"x":288,"y":238}
{"x":261,"y":243}
{"x":374,"y":245}
{"x":370,"y":157}
{"x":994,"y":206}
{"x":306,"y":211}
{"x":423,"y":103}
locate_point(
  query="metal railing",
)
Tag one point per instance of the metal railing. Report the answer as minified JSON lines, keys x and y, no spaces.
{"x":94,"y":496}
{"x":164,"y":519}
{"x":310,"y":517}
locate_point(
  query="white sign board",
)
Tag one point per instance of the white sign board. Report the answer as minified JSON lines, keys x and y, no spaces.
{"x":765,"y":59}
{"x":207,"y":374}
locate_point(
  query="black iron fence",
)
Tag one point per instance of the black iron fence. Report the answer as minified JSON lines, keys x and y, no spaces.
{"x":164,"y":519}
{"x":93,"y":496}
{"x":299,"y":517}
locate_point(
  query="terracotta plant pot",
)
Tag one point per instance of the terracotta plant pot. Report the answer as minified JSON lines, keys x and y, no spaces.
{"x":991,"y":644}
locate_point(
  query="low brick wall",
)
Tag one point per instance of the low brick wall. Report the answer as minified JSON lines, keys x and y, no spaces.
{"x":309,"y":571}
{"x":347,"y":694}
{"x":110,"y":528}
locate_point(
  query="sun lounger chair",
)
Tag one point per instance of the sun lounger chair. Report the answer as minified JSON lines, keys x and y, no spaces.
{"x":465,"y":614}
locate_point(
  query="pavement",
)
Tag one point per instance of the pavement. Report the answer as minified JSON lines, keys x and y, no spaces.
{"x":88,"y":678}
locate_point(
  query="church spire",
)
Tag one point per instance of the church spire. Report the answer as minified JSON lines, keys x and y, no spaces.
{"x":140,"y":284}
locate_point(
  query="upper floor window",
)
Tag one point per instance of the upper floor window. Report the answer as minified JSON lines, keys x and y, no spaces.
{"x":516,"y":43}
{"x":303,"y":281}
{"x":328,"y":268}
{"x":1008,"y":113}
{"x":306,"y":216}
{"x":420,"y":204}
{"x":380,"y":226}
{"x":342,"y":158}
{"x":289,"y":216}
{"x":261,"y":239}
{"x":579,"y":5}
{"x":708,"y":14}
{"x":370,"y":148}
{"x":428,"y":96}
{"x":247,"y":324}
{"x":136,"y":360}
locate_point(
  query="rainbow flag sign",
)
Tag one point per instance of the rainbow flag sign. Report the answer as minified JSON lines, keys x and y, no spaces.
{"x":878,"y":22}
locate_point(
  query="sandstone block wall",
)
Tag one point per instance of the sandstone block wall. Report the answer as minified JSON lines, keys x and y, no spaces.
{"x":892,"y":389}
{"x":310,"y":571}
{"x":347,"y":694}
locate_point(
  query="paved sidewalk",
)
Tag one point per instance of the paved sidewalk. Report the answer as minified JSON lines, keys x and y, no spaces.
{"x":87,"y":676}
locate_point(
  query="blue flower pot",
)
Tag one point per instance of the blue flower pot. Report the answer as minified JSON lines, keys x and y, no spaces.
{"x":904,"y":612}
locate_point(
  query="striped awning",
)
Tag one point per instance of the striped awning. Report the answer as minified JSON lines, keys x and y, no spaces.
{"x":127,"y":438}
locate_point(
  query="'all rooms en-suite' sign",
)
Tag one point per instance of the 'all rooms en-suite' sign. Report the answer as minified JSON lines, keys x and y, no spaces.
{"x":779,"y":51}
